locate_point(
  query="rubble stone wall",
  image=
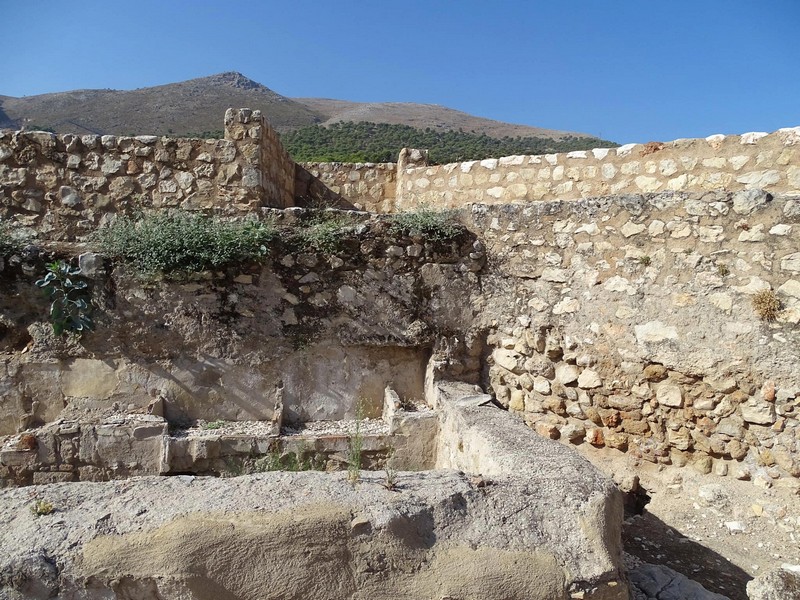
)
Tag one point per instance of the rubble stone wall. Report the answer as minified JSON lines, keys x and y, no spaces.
{"x":629,"y":322}
{"x":308,"y":335}
{"x":751,"y":160}
{"x":364,"y":186}
{"x":65,"y":186}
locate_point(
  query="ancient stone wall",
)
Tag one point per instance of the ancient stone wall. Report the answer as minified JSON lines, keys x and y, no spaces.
{"x":631,"y":323}
{"x":307,"y":336}
{"x":269,"y":170}
{"x":65,"y":186}
{"x":364,"y":186}
{"x":751,"y":160}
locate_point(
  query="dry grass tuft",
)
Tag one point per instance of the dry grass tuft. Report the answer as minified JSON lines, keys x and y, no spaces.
{"x":767,"y":305}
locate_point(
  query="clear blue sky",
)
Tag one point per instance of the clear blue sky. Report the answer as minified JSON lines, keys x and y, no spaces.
{"x":627,"y":70}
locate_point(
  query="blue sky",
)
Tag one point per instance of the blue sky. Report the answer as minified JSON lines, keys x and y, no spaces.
{"x":626,"y":70}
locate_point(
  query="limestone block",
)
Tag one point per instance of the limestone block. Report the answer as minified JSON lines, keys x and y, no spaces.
{"x":555,"y":275}
{"x":747,"y":201}
{"x":168,"y":187}
{"x":793,"y":174}
{"x":791,"y":209}
{"x":779,"y":584}
{"x":110,"y":165}
{"x":88,"y":378}
{"x":680,"y":439}
{"x":508,"y":359}
{"x":648,"y":184}
{"x":753,"y":286}
{"x":541,"y":385}
{"x":91,"y":264}
{"x":758,"y":412}
{"x":629,"y":229}
{"x":711,"y":234}
{"x":669,"y":395}
{"x":721,"y":300}
{"x":752,"y":137}
{"x":791,"y":288}
{"x":566,"y":374}
{"x":655,"y":332}
{"x":589,"y":379}
{"x":69,"y":197}
{"x":759,"y":179}
{"x":754,"y":234}
{"x":121,"y":187}
{"x":566,"y":306}
{"x":517,"y":401}
{"x":791,"y":262}
{"x":679,"y":229}
{"x":781,"y":229}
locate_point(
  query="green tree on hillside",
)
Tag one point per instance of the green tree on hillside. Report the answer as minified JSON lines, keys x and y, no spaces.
{"x":382,"y":142}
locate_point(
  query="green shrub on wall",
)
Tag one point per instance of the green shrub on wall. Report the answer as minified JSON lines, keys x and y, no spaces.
{"x":320,"y":231}
{"x":431,"y":225}
{"x":179,"y":242}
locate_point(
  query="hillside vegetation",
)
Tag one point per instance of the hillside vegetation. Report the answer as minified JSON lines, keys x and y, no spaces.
{"x":381,"y":142}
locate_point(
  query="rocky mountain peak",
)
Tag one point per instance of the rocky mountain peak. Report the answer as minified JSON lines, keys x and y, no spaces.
{"x":235,"y":80}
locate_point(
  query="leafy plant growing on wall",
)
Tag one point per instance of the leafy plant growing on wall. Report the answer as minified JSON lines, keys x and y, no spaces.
{"x":184,"y":242}
{"x":69,"y":295}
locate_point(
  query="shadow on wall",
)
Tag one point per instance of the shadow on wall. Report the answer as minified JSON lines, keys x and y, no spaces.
{"x":310,"y":192}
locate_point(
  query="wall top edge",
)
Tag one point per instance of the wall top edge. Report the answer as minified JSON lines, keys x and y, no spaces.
{"x":787,"y":136}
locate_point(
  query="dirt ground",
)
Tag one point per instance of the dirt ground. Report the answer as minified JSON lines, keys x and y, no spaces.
{"x":718,"y":531}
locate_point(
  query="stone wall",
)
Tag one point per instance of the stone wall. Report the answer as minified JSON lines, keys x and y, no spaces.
{"x":65,"y":186}
{"x":629,"y":323}
{"x":364,"y":186}
{"x":751,"y":160}
{"x":307,"y":336}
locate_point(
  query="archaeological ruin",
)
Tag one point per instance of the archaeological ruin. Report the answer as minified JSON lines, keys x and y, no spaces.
{"x":415,"y":403}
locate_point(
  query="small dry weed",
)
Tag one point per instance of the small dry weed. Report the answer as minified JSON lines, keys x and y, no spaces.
{"x":767,"y":305}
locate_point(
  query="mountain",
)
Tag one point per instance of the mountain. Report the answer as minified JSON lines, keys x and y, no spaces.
{"x":422,"y":116}
{"x":192,"y":106}
{"x":196,"y":106}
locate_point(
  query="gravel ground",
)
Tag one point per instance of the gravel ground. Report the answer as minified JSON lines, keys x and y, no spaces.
{"x":718,"y":531}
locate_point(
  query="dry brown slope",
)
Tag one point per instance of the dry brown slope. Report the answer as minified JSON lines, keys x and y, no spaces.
{"x":197,"y":105}
{"x":190,"y":106}
{"x":422,"y":116}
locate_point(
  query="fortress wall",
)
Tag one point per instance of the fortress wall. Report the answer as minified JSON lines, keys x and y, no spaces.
{"x":365,"y":186}
{"x":751,"y":160}
{"x":629,"y":323}
{"x":65,"y":186}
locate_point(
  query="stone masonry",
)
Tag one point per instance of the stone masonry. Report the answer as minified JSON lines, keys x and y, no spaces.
{"x":65,"y":186}
{"x":621,"y":320}
{"x":749,"y":161}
